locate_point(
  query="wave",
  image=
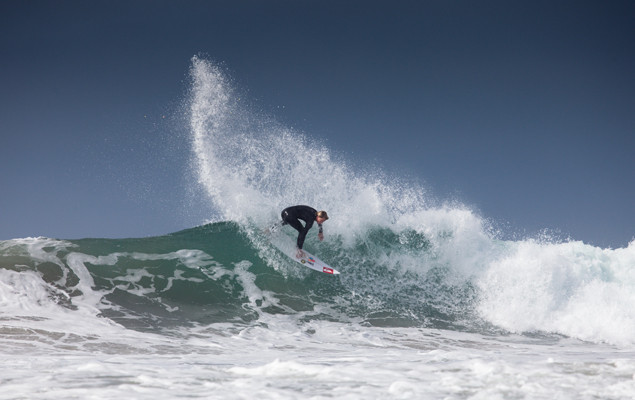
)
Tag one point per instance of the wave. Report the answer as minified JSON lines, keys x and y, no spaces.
{"x":216,"y":274}
{"x":252,"y":167}
{"x":404,"y":260}
{"x":213,"y":274}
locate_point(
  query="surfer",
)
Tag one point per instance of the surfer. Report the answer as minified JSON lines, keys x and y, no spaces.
{"x":293,"y":215}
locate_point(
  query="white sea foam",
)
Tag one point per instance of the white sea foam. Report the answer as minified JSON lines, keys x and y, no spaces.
{"x":284,"y":361}
{"x":569,"y":288}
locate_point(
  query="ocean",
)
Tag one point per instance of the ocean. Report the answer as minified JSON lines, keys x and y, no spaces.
{"x":432,"y":301}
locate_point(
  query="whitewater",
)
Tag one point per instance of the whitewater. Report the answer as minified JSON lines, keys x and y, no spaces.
{"x":431,"y":303}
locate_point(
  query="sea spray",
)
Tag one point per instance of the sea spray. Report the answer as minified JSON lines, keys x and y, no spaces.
{"x":252,"y":168}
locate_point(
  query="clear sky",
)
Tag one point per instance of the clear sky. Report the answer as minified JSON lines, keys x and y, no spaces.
{"x":524,"y":110}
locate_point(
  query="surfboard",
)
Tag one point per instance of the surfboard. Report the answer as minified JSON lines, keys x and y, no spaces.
{"x":311,"y":261}
{"x":286,"y":246}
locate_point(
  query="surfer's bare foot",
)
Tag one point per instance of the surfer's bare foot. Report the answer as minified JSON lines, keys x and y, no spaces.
{"x":299,"y":254}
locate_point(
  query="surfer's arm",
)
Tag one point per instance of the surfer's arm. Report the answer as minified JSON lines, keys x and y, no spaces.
{"x":320,"y":233}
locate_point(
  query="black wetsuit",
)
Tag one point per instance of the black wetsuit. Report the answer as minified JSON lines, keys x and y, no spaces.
{"x":293,"y":215}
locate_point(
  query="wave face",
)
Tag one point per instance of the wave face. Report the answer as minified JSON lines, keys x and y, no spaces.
{"x":218,"y":274}
{"x":215,"y":274}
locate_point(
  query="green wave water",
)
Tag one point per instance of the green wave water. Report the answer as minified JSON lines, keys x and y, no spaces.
{"x":215,"y":273}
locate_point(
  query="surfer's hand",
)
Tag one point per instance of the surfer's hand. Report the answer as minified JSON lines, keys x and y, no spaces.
{"x":321,"y":236}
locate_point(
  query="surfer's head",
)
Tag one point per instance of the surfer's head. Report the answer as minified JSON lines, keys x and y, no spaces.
{"x":321,"y":216}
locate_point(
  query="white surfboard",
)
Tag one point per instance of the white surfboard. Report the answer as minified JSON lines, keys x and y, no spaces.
{"x":285,"y":245}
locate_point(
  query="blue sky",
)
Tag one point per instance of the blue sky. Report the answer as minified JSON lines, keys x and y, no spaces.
{"x":523,"y":110}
